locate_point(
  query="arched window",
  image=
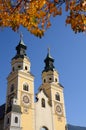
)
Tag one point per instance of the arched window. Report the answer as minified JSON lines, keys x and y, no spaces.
{"x":26,"y":87}
{"x":44,"y":128}
{"x":57,"y":96}
{"x":44,"y":80}
{"x":25,"y":67}
{"x":55,"y":79}
{"x":12,"y":88}
{"x":16,"y":119}
{"x":13,"y":69}
{"x":8,"y":120}
{"x":43,"y":102}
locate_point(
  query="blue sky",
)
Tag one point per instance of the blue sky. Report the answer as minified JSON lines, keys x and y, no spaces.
{"x":69,"y":51}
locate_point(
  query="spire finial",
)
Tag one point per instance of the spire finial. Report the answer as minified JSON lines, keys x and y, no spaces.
{"x":21,"y":35}
{"x":21,"y":38}
{"x":48,"y":51}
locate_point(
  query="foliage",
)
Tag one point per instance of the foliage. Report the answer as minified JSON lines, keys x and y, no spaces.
{"x":35,"y":15}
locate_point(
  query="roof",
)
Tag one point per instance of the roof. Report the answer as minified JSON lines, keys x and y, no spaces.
{"x":72,"y":127}
{"x":21,"y":50}
{"x":16,"y":108}
{"x":48,"y":63}
{"x":21,"y":42}
{"x":2,"y":111}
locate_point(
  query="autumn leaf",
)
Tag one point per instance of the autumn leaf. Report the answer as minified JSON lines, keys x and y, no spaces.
{"x":35,"y":15}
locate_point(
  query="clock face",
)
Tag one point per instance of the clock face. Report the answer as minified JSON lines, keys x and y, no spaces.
{"x":59,"y":109}
{"x":26,"y":99}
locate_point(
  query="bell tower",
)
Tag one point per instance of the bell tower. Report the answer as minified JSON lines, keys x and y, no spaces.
{"x":19,"y":112}
{"x":54,"y":91}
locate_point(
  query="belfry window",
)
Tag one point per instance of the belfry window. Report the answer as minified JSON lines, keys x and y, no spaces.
{"x":44,"y":80}
{"x":16,"y":119}
{"x":12,"y":88}
{"x":57,"y":96}
{"x":55,"y":79}
{"x":25,"y":67}
{"x":8,"y":120}
{"x":26,"y":87}
{"x":50,"y":79}
{"x":43,"y":102}
{"x":13,"y":69}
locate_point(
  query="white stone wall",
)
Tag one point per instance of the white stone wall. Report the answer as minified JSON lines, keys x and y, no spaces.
{"x":13,"y":119}
{"x":15,"y":128}
{"x":43,"y":115}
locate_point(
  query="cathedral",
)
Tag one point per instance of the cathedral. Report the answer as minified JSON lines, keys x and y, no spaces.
{"x":23,"y":109}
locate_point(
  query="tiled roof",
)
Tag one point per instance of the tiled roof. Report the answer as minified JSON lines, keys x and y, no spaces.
{"x":16,"y":108}
{"x":72,"y":127}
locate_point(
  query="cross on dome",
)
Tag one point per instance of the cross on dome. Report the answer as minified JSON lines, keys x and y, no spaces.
{"x":48,"y":51}
{"x":21,"y":39}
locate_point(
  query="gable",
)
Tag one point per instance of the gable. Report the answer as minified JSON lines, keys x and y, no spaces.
{"x":41,"y":95}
